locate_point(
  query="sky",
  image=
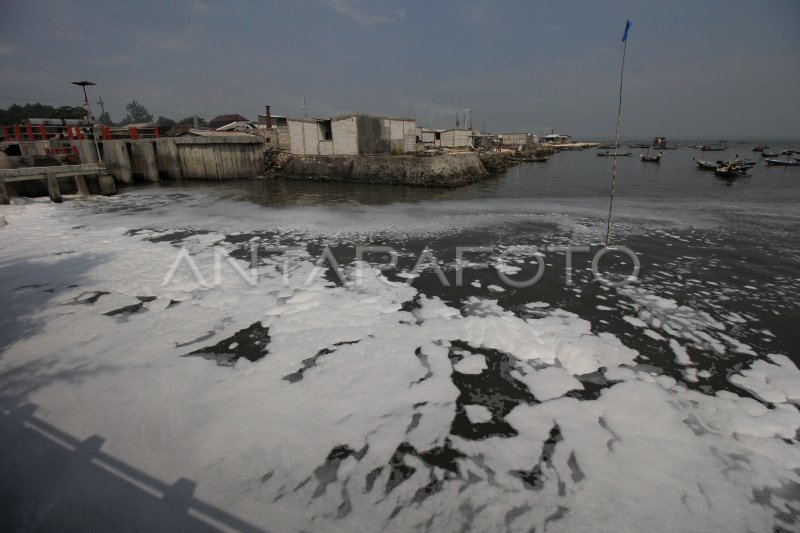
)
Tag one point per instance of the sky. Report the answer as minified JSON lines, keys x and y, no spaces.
{"x":706,"y":69}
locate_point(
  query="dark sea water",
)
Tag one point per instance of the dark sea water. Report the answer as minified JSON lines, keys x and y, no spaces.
{"x":715,"y":245}
{"x":465,"y":401}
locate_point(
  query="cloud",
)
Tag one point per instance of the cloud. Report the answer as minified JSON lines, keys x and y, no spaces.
{"x":365,"y":13}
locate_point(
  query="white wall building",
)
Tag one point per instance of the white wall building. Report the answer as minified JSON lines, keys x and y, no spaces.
{"x":354,"y":134}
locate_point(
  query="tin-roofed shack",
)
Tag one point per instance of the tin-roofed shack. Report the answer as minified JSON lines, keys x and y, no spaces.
{"x":353,"y":134}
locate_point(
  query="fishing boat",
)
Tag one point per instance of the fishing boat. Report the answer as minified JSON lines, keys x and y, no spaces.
{"x":769,"y":154}
{"x":708,"y":165}
{"x":719,"y":147}
{"x":609,"y":153}
{"x":730,"y":169}
{"x":760,"y":148}
{"x":783,"y":162}
{"x":651,"y":158}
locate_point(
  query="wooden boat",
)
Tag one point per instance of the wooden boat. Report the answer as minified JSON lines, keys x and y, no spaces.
{"x":608,"y":153}
{"x":760,"y":148}
{"x":783,"y":162}
{"x":708,"y":165}
{"x":769,"y":154}
{"x":730,"y":170}
{"x":651,"y":158}
{"x":719,"y":147}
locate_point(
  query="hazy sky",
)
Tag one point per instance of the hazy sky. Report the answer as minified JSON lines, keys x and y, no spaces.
{"x":694,"y":68}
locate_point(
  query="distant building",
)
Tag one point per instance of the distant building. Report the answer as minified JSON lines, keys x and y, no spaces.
{"x":518,"y":139}
{"x":428,"y":136}
{"x":456,"y":138}
{"x":354,"y":134}
{"x":275,"y":120}
{"x":557,"y":138}
{"x":224,"y":120}
{"x":240,"y":126}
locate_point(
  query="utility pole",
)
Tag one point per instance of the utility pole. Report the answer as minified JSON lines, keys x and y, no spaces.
{"x":100,"y":102}
{"x":305,"y":107}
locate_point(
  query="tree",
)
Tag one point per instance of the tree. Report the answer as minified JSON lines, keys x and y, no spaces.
{"x":105,"y":118}
{"x":16,"y":113}
{"x":137,"y":113}
{"x":189,"y":121}
{"x":165,"y":123}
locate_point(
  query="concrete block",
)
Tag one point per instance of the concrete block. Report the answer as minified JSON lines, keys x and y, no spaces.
{"x":106,"y":185}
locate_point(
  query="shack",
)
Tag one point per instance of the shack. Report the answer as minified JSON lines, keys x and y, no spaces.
{"x":456,"y":138}
{"x":353,"y":134}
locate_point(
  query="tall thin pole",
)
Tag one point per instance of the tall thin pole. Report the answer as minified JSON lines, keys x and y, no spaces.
{"x":616,"y":141}
{"x":91,"y":123}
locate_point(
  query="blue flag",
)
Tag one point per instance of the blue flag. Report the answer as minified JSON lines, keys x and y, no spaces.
{"x":628,"y":25}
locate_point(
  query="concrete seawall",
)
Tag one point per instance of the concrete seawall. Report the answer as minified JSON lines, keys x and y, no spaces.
{"x":450,"y":170}
{"x":222,"y":157}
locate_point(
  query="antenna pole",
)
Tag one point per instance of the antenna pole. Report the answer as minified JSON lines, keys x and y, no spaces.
{"x":616,"y":143}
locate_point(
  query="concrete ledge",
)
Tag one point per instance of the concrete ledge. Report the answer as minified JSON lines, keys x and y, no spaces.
{"x":220,"y":139}
{"x":23,"y":174}
{"x":449,"y":170}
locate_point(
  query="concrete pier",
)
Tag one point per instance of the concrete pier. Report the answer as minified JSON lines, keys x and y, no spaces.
{"x":220,"y":157}
{"x":143,"y":160}
{"x":53,"y":190}
{"x":50,"y":175}
{"x":117,"y":160}
{"x":168,"y":162}
{"x":4,"y":200}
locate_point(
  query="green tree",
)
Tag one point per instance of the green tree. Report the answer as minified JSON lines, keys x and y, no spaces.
{"x":189,"y":121}
{"x":105,"y":118}
{"x":137,"y":113}
{"x":165,"y":123}
{"x":16,"y":114}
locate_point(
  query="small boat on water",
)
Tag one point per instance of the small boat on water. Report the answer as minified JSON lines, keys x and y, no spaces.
{"x":638,"y":146}
{"x":731,"y":169}
{"x":760,"y":148}
{"x":719,"y":147}
{"x":708,"y":165}
{"x":783,"y":162}
{"x":609,"y":153}
{"x":769,"y":154}
{"x":735,"y":167}
{"x":651,"y":158}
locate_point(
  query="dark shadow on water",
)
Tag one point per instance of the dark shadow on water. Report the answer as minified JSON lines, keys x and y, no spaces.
{"x":52,"y":481}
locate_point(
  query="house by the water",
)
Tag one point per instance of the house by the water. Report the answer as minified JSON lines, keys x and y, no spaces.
{"x":353,"y":134}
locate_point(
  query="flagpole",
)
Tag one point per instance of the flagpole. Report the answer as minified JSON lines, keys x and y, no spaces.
{"x":616,"y":134}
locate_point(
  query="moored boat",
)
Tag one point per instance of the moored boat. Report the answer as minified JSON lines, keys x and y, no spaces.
{"x":609,"y":153}
{"x":652,"y":158}
{"x":783,"y":162}
{"x":769,"y":154}
{"x":708,"y":165}
{"x":719,"y":147}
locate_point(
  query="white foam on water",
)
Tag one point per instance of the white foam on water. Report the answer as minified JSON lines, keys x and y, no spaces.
{"x":551,"y":382}
{"x":478,"y":414}
{"x":347,"y":366}
{"x":471,"y":364}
